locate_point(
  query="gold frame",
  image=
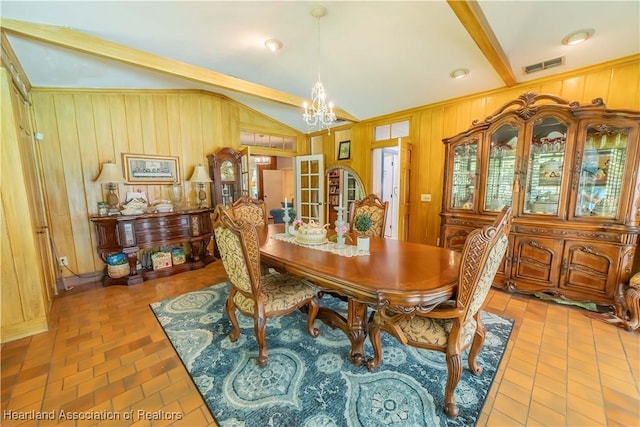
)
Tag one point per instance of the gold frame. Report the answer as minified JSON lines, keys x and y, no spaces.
{"x":143,"y":169}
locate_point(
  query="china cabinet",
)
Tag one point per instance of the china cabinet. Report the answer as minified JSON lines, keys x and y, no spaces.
{"x":224,"y":168}
{"x":570,"y":172}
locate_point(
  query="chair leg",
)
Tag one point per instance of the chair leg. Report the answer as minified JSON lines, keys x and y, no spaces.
{"x":476,"y":346}
{"x":454,"y":372}
{"x":376,"y":343}
{"x":314,"y":308}
{"x":231,"y":313}
{"x":260,"y":326}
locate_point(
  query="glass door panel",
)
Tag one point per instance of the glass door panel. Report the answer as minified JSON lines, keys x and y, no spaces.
{"x":545,"y":162}
{"x":465,"y":165}
{"x":310,"y":188}
{"x":501,"y":168}
{"x":602,"y":171}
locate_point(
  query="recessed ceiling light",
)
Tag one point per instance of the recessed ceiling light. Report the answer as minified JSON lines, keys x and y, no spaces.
{"x":577,"y":37}
{"x":460,"y":73}
{"x":273,"y":44}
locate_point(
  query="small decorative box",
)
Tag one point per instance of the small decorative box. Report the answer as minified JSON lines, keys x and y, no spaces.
{"x":177,"y":256}
{"x":161,"y":260}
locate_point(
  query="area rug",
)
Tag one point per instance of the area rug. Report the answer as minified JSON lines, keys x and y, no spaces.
{"x":312,"y":382}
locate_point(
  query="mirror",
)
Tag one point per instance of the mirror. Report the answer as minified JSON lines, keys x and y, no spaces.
{"x":342,"y":181}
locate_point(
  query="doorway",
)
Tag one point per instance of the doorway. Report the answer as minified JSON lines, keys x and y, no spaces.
{"x":273,"y":182}
{"x":386,"y":183}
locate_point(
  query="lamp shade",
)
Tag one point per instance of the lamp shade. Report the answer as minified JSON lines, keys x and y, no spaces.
{"x":110,"y":173}
{"x":200,"y":174}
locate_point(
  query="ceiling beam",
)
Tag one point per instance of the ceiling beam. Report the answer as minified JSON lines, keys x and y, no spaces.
{"x":472,"y":18}
{"x":81,"y":42}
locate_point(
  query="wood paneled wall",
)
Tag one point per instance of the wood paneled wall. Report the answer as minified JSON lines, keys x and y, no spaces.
{"x":24,"y":295}
{"x":616,"y":82}
{"x":84,"y":129}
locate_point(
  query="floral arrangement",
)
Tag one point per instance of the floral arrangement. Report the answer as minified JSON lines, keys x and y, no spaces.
{"x":297,"y":223}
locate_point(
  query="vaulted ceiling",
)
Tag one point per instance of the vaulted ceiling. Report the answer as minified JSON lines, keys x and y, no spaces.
{"x":374,"y":57}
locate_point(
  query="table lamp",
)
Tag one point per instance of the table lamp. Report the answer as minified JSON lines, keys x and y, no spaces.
{"x":112,"y":175}
{"x":200,"y":176}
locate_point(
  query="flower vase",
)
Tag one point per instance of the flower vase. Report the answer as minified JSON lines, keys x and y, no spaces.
{"x":363,"y":243}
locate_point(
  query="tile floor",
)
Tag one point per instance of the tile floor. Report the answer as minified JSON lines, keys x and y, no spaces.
{"x":105,"y":354}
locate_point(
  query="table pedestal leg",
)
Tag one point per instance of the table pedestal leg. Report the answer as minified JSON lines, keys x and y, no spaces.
{"x":357,"y":330}
{"x":354,"y":326}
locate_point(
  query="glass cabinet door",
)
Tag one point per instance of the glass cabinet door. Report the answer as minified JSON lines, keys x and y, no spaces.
{"x":501,"y":168}
{"x":464,"y":175}
{"x":601,"y":172}
{"x":545,"y":163}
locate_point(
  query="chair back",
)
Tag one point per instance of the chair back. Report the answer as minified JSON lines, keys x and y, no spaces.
{"x":482,"y":254}
{"x":239,"y":248}
{"x":374,"y":207}
{"x":250,"y":210}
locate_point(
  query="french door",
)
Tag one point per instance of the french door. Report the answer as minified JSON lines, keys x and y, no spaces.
{"x":309,"y":202}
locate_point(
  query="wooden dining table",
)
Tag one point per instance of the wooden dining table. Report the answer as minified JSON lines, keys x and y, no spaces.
{"x":400,"y":275}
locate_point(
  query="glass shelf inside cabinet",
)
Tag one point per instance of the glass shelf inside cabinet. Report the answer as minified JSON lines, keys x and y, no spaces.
{"x":544,"y":173}
{"x":502,"y":160}
{"x":465,"y":159}
{"x":602,"y":171}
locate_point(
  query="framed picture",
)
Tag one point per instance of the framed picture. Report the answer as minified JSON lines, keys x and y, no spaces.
{"x":146,"y":169}
{"x":344,"y":150}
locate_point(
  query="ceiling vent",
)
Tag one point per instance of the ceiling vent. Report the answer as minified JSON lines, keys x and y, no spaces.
{"x":550,"y":63}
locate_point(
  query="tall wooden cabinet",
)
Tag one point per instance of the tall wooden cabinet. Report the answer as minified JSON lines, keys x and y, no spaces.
{"x":225,"y":170}
{"x":570,"y":171}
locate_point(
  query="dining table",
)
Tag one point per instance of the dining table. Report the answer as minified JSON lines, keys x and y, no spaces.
{"x":402,"y":276}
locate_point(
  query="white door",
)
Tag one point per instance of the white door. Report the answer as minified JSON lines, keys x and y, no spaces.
{"x":310,"y":188}
{"x":273,"y":184}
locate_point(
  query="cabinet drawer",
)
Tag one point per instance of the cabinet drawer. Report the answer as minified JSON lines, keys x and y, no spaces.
{"x":590,"y":267}
{"x":144,"y":225}
{"x":453,"y":237}
{"x":537,"y":260}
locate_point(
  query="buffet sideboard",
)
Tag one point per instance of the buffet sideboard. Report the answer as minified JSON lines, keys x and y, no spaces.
{"x":130,"y":234}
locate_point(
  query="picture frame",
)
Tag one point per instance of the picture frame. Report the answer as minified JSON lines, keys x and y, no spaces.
{"x":344,"y":150}
{"x":150,"y":169}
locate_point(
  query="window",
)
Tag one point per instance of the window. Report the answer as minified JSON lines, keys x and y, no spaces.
{"x":252,"y":139}
{"x":393,"y":130}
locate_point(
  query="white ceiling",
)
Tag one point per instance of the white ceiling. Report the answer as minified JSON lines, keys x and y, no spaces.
{"x":375,"y":57}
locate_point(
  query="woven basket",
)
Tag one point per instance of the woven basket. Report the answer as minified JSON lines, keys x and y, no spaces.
{"x":119,"y":270}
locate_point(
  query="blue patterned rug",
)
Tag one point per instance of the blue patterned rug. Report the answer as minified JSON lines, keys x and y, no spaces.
{"x":311,"y":382}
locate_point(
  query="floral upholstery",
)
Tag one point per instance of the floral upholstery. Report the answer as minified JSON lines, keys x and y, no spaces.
{"x":230,"y":249}
{"x":253,"y":294}
{"x":280,"y":291}
{"x":377,"y":210}
{"x":250,"y":210}
{"x":454,"y":325}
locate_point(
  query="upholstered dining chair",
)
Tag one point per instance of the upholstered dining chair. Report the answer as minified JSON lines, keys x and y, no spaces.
{"x":256,"y":295}
{"x":376,"y":208}
{"x":455,"y":325}
{"x":250,"y":209}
